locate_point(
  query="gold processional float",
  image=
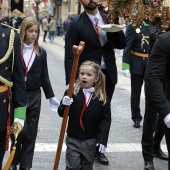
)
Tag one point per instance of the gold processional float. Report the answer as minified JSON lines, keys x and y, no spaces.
{"x":137,"y":11}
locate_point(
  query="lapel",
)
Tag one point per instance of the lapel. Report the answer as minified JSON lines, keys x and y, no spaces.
{"x":93,"y":103}
{"x":37,"y":58}
{"x":80,"y":98}
{"x":88,"y":23}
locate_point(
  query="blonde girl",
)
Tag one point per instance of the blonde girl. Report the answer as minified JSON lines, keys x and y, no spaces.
{"x":34,"y":62}
{"x":89,"y":117}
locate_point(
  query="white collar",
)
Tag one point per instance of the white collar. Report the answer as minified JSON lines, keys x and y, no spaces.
{"x":98,"y":16}
{"x":30,"y":46}
{"x":89,"y":90}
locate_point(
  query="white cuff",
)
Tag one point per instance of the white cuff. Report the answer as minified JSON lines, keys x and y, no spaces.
{"x":167,"y":120}
{"x":20,"y":121}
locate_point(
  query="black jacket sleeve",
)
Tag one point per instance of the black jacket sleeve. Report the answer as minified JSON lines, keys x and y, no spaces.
{"x":155,"y":74}
{"x":130,"y":38}
{"x":104,"y":125}
{"x":46,"y":84}
{"x":61,"y":108}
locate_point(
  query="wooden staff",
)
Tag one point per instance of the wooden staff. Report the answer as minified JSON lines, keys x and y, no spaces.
{"x":77,"y":50}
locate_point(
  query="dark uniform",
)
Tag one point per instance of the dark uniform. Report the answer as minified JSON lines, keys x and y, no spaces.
{"x":12,"y":84}
{"x":135,"y":54}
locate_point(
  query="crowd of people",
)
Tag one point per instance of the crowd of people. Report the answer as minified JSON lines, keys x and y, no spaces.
{"x":24,"y":72}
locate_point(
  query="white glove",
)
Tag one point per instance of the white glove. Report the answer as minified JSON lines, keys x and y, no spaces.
{"x":126,"y":73}
{"x":67,"y":101}
{"x":102,"y":148}
{"x":20,"y":121}
{"x":167,"y":120}
{"x":54,"y":103}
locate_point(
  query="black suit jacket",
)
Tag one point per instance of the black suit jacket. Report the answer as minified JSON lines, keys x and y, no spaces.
{"x":134,"y":41}
{"x":158,"y":72}
{"x":96,"y":119}
{"x":38,"y":75}
{"x":12,"y":70}
{"x":81,"y":29}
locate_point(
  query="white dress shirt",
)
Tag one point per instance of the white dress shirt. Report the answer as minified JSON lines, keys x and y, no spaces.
{"x":102,"y":34}
{"x":27,"y":51}
{"x":87,"y":93}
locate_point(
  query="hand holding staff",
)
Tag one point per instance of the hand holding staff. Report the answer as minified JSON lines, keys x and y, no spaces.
{"x":77,"y":50}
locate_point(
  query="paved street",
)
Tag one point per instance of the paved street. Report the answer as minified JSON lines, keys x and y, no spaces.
{"x":124,"y":146}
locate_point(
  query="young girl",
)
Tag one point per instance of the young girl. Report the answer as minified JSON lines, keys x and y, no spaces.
{"x":89,"y":117}
{"x":36,"y":76}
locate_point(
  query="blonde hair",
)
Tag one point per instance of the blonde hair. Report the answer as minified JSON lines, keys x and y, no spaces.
{"x":26,"y":24}
{"x":99,"y":86}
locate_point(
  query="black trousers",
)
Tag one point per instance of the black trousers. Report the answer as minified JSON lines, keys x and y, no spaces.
{"x":26,"y":139}
{"x":136,"y":86}
{"x":151,"y":136}
{"x":110,"y":87}
{"x":44,"y":36}
{"x":159,"y":133}
{"x":167,"y":137}
{"x":2,"y":147}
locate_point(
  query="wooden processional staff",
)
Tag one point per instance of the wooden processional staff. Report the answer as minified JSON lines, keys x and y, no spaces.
{"x":77,"y":50}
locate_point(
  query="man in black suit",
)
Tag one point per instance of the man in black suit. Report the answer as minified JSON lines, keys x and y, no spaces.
{"x":99,"y":47}
{"x":152,"y":135}
{"x":12,"y":84}
{"x":157,"y":82}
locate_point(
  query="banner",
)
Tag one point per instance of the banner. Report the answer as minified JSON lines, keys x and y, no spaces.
{"x":17,"y":4}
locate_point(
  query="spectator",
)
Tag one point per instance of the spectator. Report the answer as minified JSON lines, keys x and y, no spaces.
{"x":59,"y":27}
{"x":44,"y":26}
{"x":52,"y":29}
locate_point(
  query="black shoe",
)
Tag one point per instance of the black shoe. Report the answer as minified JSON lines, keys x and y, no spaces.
{"x":136,"y":124}
{"x":101,"y":158}
{"x":159,"y":154}
{"x":13,"y":167}
{"x":149,"y":165}
{"x":24,"y":169}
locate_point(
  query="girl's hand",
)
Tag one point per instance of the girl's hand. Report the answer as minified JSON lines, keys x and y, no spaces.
{"x":54,"y":103}
{"x":67,"y":101}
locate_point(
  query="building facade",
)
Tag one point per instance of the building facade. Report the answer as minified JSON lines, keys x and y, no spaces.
{"x":70,"y":7}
